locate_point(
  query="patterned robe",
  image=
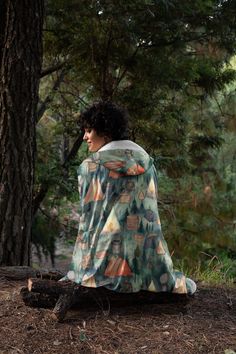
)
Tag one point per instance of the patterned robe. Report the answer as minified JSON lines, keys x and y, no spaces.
{"x":120,"y":244}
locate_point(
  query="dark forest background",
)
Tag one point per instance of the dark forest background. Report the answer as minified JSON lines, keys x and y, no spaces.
{"x":172,"y":64}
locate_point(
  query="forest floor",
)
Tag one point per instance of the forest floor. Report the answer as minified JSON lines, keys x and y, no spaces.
{"x":204,"y":324}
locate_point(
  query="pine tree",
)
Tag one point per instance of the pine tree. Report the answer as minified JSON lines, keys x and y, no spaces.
{"x":20,"y":69}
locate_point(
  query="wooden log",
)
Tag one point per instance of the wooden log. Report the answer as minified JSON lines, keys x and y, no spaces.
{"x":52,"y":287}
{"x":23,"y":272}
{"x":63,"y":304}
{"x":38,"y":300}
{"x":67,"y":287}
{"x":17,"y":272}
{"x":65,"y":290}
{"x":85,"y":295}
{"x":64,"y":295}
{"x":101,"y":297}
{"x":49,"y":274}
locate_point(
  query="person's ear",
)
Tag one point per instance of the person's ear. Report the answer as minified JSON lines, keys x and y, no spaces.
{"x":107,"y":139}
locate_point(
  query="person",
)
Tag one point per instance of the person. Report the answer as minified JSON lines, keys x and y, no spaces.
{"x":120,"y":244}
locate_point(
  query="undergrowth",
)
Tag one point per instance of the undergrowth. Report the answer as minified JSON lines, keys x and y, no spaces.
{"x":214,"y":270}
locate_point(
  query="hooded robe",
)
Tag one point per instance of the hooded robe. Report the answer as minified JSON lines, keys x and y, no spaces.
{"x":120,"y":244}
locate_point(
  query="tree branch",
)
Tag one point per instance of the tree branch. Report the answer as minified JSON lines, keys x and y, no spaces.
{"x":166,"y":43}
{"x":119,"y":79}
{"x":48,"y":99}
{"x":51,"y":69}
{"x":39,"y":197}
{"x":45,"y":187}
{"x":73,"y":151}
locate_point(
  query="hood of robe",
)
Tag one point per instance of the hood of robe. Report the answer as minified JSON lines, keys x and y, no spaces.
{"x":123,"y":162}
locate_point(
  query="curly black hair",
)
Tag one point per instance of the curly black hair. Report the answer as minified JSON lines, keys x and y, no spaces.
{"x":107,"y":119}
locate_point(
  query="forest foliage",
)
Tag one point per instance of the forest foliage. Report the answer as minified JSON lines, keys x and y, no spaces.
{"x":172,"y":65}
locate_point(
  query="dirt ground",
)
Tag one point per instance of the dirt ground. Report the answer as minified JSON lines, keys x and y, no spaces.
{"x":205,"y":324}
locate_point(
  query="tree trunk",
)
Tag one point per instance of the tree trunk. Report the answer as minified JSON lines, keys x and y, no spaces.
{"x":20,"y":69}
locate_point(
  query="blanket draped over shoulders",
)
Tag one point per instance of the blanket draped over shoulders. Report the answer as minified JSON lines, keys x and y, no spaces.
{"x":120,"y":244}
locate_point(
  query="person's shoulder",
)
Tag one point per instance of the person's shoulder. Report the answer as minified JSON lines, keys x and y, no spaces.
{"x":89,"y":165}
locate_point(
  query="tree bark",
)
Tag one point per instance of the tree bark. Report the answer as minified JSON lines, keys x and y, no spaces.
{"x":61,"y":297}
{"x":20,"y":70}
{"x":50,"y":287}
{"x":38,"y":300}
{"x":65,"y":295}
{"x":81,"y":294}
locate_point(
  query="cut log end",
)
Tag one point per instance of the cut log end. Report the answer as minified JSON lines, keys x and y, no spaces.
{"x":50,"y":286}
{"x":30,"y":284}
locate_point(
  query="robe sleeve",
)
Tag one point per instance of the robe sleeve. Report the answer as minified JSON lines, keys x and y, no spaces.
{"x":84,"y":178}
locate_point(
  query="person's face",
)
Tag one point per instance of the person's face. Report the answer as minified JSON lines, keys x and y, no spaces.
{"x":94,"y":141}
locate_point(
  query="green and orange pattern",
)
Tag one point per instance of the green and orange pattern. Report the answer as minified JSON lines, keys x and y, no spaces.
{"x":120,"y":243}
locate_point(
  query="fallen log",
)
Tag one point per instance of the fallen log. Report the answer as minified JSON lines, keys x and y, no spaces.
{"x":63,"y":304}
{"x":24,"y":272}
{"x":38,"y":300}
{"x":17,"y":272}
{"x":65,"y":295}
{"x":66,"y":291}
{"x":89,"y":297}
{"x":80,"y":292}
{"x":50,"y":286}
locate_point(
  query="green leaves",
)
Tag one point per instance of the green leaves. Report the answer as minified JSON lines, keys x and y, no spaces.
{"x":166,"y":61}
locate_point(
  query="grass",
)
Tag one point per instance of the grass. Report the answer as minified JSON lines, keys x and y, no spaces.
{"x":214,"y":270}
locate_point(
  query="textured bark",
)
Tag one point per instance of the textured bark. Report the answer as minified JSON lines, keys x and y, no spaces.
{"x":63,"y":304}
{"x":23,"y":273}
{"x":49,"y":294}
{"x":38,"y":300}
{"x":50,"y":286}
{"x":2,"y":25}
{"x":20,"y":69}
